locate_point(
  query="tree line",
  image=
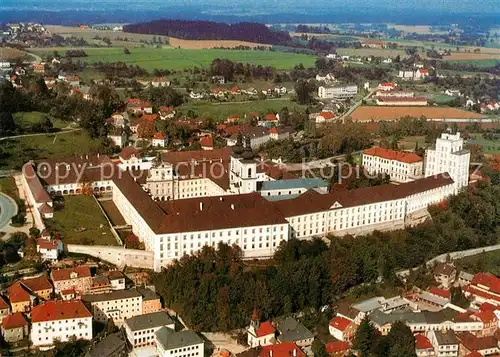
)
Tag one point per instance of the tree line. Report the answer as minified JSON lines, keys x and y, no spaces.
{"x":214,"y":290}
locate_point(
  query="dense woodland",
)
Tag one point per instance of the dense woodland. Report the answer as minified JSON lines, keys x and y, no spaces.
{"x":215,"y":291}
{"x":207,"y":30}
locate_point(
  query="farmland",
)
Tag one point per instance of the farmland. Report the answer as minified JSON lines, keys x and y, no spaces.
{"x":369,"y":113}
{"x":180,"y":59}
{"x":485,"y":63}
{"x":10,"y":54}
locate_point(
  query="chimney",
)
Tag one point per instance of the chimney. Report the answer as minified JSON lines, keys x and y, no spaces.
{"x":270,"y":353}
{"x":201,"y":206}
{"x":294,"y":352}
{"x":221,"y":198}
{"x":232,"y":206}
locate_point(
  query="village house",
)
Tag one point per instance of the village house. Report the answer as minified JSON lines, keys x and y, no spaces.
{"x":445,"y":343}
{"x":387,"y":86}
{"x":325,"y":116}
{"x":114,"y":345}
{"x":269,"y":120}
{"x":159,"y":140}
{"x":284,"y":349}
{"x":40,"y":286}
{"x":290,"y":330}
{"x":14,"y":327}
{"x":119,"y":305}
{"x":207,"y":142}
{"x":337,"y":348}
{"x":160,"y":82}
{"x":140,"y":330}
{"x":170,"y":343}
{"x":49,"y":249}
{"x":445,"y":273}
{"x":78,"y":279}
{"x":260,"y":334}
{"x":326,"y":78}
{"x":4,"y":308}
{"x":342,"y":329}
{"x":423,"y":347}
{"x":166,"y":112}
{"x":118,"y":136}
{"x":60,"y":320}
{"x":485,"y":346}
{"x":150,"y":300}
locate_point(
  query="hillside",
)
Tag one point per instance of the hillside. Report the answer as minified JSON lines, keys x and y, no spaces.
{"x":207,"y":30}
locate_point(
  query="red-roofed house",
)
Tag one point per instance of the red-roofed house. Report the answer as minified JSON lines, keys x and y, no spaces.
{"x":423,"y":347}
{"x":434,"y":290}
{"x":166,"y":112}
{"x":49,"y":249}
{"x":160,"y":82}
{"x":14,"y":327}
{"x":4,"y":308}
{"x":387,"y":86}
{"x":269,"y":120}
{"x":260,"y":334}
{"x":401,"y":166}
{"x":207,"y":142}
{"x":484,"y":345}
{"x":324,"y":116}
{"x":285,"y":349}
{"x":160,"y":140}
{"x":342,"y":329}
{"x":233,"y":118}
{"x":421,"y":74}
{"x":72,"y":319}
{"x":337,"y":348}
{"x":489,"y":320}
{"x":40,"y":286}
{"x":484,"y":288}
{"x":78,"y":279}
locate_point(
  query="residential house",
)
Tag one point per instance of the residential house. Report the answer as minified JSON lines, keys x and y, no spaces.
{"x":159,"y":140}
{"x":387,"y":86}
{"x":445,"y":273}
{"x":114,"y":345}
{"x":453,"y":92}
{"x":118,"y":136}
{"x":423,"y":347}
{"x":60,"y":320}
{"x":325,"y":116}
{"x":207,"y":142}
{"x":78,"y":279}
{"x":445,"y":343}
{"x":280,"y":90}
{"x":337,"y":348}
{"x":39,"y":67}
{"x":170,"y":343}
{"x":342,"y":329}
{"x":166,"y":112}
{"x":284,"y":349}
{"x":4,"y":308}
{"x":421,"y":74}
{"x":465,"y":278}
{"x":119,"y":305}
{"x":218,"y":79}
{"x":341,"y":92}
{"x":73,"y":81}
{"x":406,"y":75}
{"x":49,"y":249}
{"x":280,"y":132}
{"x":140,"y":330}
{"x":21,"y":300}
{"x":269,"y":120}
{"x":40,"y":286}
{"x":160,"y":82}
{"x":150,"y":300}
{"x":486,"y":346}
{"x":14,"y":327}
{"x":290,"y":330}
{"x":117,"y":279}
{"x":260,"y":334}
{"x":326,"y":78}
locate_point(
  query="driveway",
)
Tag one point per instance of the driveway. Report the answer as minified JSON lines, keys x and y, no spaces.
{"x":8,"y":209}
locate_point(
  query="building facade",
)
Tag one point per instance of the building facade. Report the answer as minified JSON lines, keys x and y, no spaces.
{"x":399,"y":165}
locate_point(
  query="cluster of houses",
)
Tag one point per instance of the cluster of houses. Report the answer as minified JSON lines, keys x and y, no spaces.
{"x":440,"y":327}
{"x":64,"y":305}
{"x":224,"y":93}
{"x":413,"y":75}
{"x":387,"y":95}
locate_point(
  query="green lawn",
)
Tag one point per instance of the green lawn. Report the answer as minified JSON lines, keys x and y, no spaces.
{"x":485,"y":262}
{"x":484,"y":63}
{"x":221,"y":111}
{"x":8,"y":186}
{"x":180,"y":59}
{"x":489,"y":146}
{"x":26,"y":120}
{"x":442,"y":99}
{"x":18,"y":151}
{"x":81,"y":222}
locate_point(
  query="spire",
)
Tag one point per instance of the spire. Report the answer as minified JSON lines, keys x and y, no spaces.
{"x":254,"y":322}
{"x":247,"y":153}
{"x":238,"y":147}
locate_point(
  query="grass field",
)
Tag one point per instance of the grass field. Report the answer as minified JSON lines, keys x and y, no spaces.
{"x":377,"y":52}
{"x":368,"y":113}
{"x":409,"y":142}
{"x":81,"y":222}
{"x":485,"y":262}
{"x":180,"y":59}
{"x":8,"y":186}
{"x":221,"y":111}
{"x":489,"y":146}
{"x":26,"y":120}
{"x":485,"y":63}
{"x":442,"y":99}
{"x":10,"y":54}
{"x":20,"y":150}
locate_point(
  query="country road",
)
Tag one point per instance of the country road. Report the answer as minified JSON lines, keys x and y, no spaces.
{"x":39,"y":134}
{"x":357,"y":104}
{"x":8,"y":209}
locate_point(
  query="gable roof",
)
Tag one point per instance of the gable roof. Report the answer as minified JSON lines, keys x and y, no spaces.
{"x":207,"y":141}
{"x":340,"y":323}
{"x":82,"y":271}
{"x":473,"y":343}
{"x":488,"y":280}
{"x":147,"y":321}
{"x":47,"y":244}
{"x":3,"y":303}
{"x":170,"y":339}
{"x":128,"y":151}
{"x":39,"y":193}
{"x":284,"y":349}
{"x":59,"y":310}
{"x":444,"y":268}
{"x":440,"y":292}
{"x":327,"y":115}
{"x":422,"y":342}
{"x":18,"y":293}
{"x":38,"y":283}
{"x":337,"y":346}
{"x":265,"y":329}
{"x":292,"y":330}
{"x":14,"y":321}
{"x":401,"y":156}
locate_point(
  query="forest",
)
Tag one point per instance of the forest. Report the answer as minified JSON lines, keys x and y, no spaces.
{"x":216,"y":291}
{"x":208,"y":30}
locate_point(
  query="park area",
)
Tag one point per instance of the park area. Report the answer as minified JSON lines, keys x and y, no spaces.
{"x":81,"y":221}
{"x":179,"y":59}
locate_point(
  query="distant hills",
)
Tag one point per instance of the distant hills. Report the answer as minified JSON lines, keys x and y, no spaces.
{"x":208,"y":30}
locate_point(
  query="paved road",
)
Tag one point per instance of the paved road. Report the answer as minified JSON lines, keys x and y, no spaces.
{"x":357,"y":104}
{"x":8,"y":208}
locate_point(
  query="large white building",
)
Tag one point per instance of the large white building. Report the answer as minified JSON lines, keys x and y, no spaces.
{"x":118,"y":305}
{"x":341,"y":92}
{"x":449,"y":156}
{"x":401,"y":166}
{"x":61,"y":320}
{"x":170,"y":343}
{"x":140,"y":330}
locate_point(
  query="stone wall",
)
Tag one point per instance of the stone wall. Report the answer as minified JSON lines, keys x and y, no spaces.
{"x":118,"y":256}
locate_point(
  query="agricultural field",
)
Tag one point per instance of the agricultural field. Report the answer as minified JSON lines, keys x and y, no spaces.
{"x":369,"y":113}
{"x":489,"y":146}
{"x":365,"y":52}
{"x":220,"y":111}
{"x":420,"y":29}
{"x":26,"y":120}
{"x":485,"y":63}
{"x":81,"y":221}
{"x":10,"y":54}
{"x":18,"y":151}
{"x":180,"y":59}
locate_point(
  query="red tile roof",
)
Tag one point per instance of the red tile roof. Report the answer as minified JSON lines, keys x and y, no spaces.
{"x":3,"y":303}
{"x":440,"y":292}
{"x":273,"y":130}
{"x":486,"y":306}
{"x":14,"y":321}
{"x":486,"y":317}
{"x":149,"y":117}
{"x":175,"y":157}
{"x":473,"y":343}
{"x":475,"y":291}
{"x":47,"y":244}
{"x":165,"y":109}
{"x":488,"y":280}
{"x":18,"y":293}
{"x":39,"y":193}
{"x":160,"y":136}
{"x":337,"y":346}
{"x":285,"y":349}
{"x":387,"y":84}
{"x":134,"y":102}
{"x":65,"y":274}
{"x":340,"y":323}
{"x":402,"y":156}
{"x":265,"y":329}
{"x":387,"y":99}
{"x":474,"y":354}
{"x":422,"y":342}
{"x":128,"y":151}
{"x":45,"y":208}
{"x":270,"y":117}
{"x":37,"y":284}
{"x":327,"y":115}
{"x":207,"y":141}
{"x":59,"y":310}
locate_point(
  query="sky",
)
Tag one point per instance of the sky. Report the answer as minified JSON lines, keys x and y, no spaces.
{"x":263,"y":6}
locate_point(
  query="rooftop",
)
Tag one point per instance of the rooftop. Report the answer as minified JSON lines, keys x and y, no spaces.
{"x":71,"y":273}
{"x":291,"y":330}
{"x":114,"y":295}
{"x":402,"y":156}
{"x":446,"y":338}
{"x":305,"y":183}
{"x":14,"y":321}
{"x":59,"y":310}
{"x":108,"y":346}
{"x":152,"y":320}
{"x":170,"y":339}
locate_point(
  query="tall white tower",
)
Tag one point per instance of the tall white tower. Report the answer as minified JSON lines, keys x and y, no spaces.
{"x":243,"y":169}
{"x":449,"y":156}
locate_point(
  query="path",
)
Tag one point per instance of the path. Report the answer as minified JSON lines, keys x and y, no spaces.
{"x":357,"y":104}
{"x":8,"y":209}
{"x":40,"y":134}
{"x":35,"y":56}
{"x":316,"y":164}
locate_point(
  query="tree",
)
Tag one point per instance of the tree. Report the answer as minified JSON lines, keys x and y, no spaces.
{"x":318,"y":348}
{"x":303,"y":91}
{"x":365,"y":337}
{"x":44,"y":125}
{"x":401,"y":341}
{"x":458,"y":298}
{"x":126,"y":51}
